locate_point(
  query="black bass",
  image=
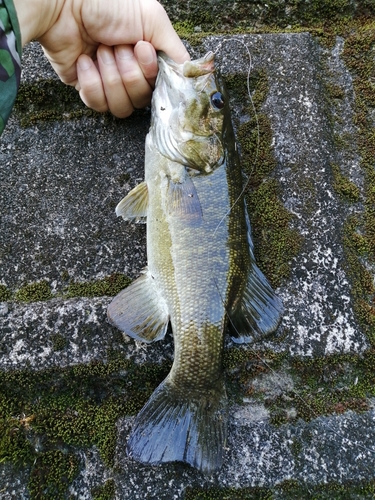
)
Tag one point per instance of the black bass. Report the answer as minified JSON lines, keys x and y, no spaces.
{"x":201,"y":274}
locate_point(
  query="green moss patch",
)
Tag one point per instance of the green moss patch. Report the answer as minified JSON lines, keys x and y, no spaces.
{"x":222,"y":16}
{"x":110,"y":285}
{"x":48,"y":100}
{"x":104,"y":492}
{"x":52,"y":474}
{"x":325,"y":386}
{"x":275,"y":242}
{"x":346,"y":189}
{"x":288,"y":490}
{"x":47,"y":415}
{"x":40,"y":291}
{"x":5,"y":293}
{"x":34,"y":292}
{"x":360,"y":230}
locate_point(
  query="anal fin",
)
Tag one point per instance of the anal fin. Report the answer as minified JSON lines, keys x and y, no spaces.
{"x":140,"y":311}
{"x":259,"y":312}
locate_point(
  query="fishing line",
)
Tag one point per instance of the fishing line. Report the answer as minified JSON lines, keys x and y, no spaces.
{"x":250,"y":67}
{"x":251,"y":349}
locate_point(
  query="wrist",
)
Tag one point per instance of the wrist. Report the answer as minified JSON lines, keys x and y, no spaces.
{"x":35,"y":17}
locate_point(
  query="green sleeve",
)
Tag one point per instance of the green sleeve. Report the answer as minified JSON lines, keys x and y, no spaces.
{"x":10,"y":59}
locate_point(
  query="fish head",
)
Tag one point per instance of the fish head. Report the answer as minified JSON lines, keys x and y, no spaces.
{"x":189,"y":108}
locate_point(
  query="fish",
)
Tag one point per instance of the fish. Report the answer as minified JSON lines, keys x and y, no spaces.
{"x":201,"y":276}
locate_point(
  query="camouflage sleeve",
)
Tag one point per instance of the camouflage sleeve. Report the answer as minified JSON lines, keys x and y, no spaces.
{"x":10,"y":59}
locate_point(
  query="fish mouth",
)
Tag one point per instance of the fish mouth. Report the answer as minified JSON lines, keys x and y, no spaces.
{"x":190,"y":69}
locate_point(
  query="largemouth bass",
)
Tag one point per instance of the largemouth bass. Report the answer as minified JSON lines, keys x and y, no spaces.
{"x":201,"y":274}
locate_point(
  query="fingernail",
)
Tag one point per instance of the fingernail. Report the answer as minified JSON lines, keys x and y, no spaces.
{"x":145,"y":54}
{"x":124,"y":53}
{"x":107,"y":57}
{"x":84,"y":63}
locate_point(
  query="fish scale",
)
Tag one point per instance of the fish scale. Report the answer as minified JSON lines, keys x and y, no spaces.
{"x":201,"y":275}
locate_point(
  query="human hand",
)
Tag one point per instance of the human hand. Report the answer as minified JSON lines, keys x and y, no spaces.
{"x":105,"y":48}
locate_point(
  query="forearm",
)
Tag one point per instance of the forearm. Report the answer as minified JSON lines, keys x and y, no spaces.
{"x":35,"y":17}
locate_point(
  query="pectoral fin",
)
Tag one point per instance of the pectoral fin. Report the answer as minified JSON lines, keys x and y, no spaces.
{"x":135,"y":204}
{"x":140,"y":311}
{"x":183,"y":200}
{"x":259,"y":312}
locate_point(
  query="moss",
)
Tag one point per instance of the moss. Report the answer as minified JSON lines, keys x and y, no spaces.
{"x":346,"y":189}
{"x":110,"y":285}
{"x":65,"y":275}
{"x":293,"y":490}
{"x":334,"y":91}
{"x":51,"y":475}
{"x":275,"y":242}
{"x":104,"y":492}
{"x":5,"y":293}
{"x":48,"y":100}
{"x":243,"y":365}
{"x":228,"y":494}
{"x":71,"y":408}
{"x":39,"y":291}
{"x":14,"y":446}
{"x":222,"y":16}
{"x":34,"y":292}
{"x":360,"y":230}
{"x":321,"y":386}
{"x":59,"y":342}
{"x":288,"y":490}
{"x":330,"y":385}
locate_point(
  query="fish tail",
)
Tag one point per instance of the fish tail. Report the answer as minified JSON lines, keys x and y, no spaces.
{"x":177,"y":425}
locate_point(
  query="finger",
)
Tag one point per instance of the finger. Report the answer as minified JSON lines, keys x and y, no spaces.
{"x":159,"y":31}
{"x":147,"y":60}
{"x":118,"y":100}
{"x":90,"y":84}
{"x":137,"y":87}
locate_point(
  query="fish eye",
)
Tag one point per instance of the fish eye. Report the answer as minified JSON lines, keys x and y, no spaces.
{"x":217,"y":100}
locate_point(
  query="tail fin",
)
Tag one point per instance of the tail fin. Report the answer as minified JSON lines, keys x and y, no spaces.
{"x":177,"y":426}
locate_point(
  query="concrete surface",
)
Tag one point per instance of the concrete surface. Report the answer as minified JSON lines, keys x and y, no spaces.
{"x":60,"y":182}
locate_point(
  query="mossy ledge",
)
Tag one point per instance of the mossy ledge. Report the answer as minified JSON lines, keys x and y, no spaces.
{"x":275,"y":242}
{"x":47,"y":415}
{"x":41,"y":290}
{"x":360,"y":229}
{"x":288,"y":490}
{"x":48,"y":100}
